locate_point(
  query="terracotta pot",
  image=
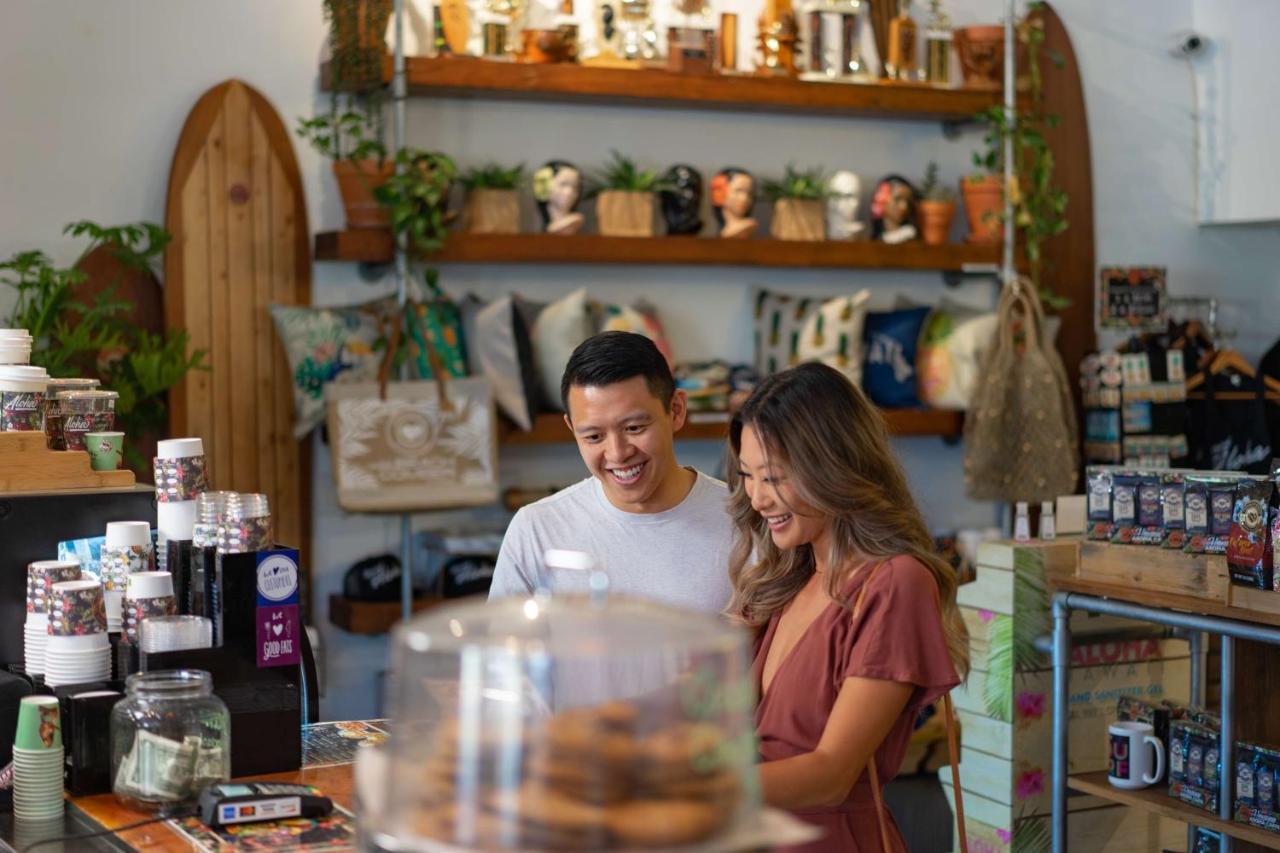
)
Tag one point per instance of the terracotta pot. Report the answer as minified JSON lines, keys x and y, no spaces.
{"x":625,"y":214}
{"x":356,"y":183}
{"x":492,"y":212}
{"x":983,"y":204}
{"x":549,"y":46}
{"x":981,"y":52}
{"x":935,"y":221}
{"x":798,"y":219}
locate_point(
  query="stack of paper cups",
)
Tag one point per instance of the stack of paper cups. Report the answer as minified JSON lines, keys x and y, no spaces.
{"x":175,"y":633}
{"x":41,"y":576}
{"x":149,"y":594}
{"x":15,"y":346}
{"x":181,"y":476}
{"x":37,"y":760}
{"x":79,"y":651}
{"x":127,"y":550}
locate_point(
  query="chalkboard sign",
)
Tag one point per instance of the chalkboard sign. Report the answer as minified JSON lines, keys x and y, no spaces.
{"x":1132,"y":297}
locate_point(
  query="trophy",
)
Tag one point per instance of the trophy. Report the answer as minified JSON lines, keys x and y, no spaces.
{"x":834,"y":32}
{"x":777,"y":39}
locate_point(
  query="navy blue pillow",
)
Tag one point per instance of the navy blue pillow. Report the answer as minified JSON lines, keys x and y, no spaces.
{"x":889,"y":369}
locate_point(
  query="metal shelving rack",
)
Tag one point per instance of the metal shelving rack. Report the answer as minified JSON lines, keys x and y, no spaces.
{"x":1229,"y":630}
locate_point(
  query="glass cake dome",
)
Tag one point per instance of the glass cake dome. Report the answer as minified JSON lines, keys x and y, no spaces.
{"x":582,"y":721}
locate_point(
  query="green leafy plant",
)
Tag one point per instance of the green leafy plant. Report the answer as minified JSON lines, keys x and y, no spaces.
{"x":493,"y":177}
{"x":1039,"y":207}
{"x":417,"y":198}
{"x":931,"y":189}
{"x":797,"y":184}
{"x":354,"y":128}
{"x":622,"y":174}
{"x":73,"y":337}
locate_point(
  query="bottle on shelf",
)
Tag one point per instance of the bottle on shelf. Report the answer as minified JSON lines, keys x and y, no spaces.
{"x":937,"y":46}
{"x":1048,"y":524}
{"x":1021,"y":523}
{"x":903,"y":61}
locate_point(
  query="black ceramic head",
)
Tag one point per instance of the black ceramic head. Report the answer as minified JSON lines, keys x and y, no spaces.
{"x":682,"y":201}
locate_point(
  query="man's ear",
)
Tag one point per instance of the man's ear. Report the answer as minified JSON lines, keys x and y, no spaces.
{"x":679,"y":409}
{"x":568,"y":423}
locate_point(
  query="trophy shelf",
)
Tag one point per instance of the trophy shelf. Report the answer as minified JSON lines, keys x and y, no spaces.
{"x":473,"y":77}
{"x":376,"y":246}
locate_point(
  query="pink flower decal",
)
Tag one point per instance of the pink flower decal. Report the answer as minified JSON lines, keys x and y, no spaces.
{"x":1031,"y":705}
{"x":1030,"y":784}
{"x":986,"y":616}
{"x":1005,"y":835}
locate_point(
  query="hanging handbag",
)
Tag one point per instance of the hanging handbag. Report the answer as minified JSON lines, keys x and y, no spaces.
{"x":409,"y":446}
{"x":1021,"y":440}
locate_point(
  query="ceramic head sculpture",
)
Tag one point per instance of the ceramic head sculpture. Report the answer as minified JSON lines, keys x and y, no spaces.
{"x":844,"y":197}
{"x":682,"y":201}
{"x":893,"y":210}
{"x":733,"y":195}
{"x":557,"y":188}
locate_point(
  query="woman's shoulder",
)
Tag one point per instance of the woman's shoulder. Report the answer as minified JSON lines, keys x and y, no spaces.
{"x":899,"y":575}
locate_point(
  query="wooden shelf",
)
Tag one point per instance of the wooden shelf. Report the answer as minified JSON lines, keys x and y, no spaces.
{"x":373,"y":617}
{"x":375,"y":246}
{"x":551,"y":429}
{"x":1156,"y":799}
{"x":471,"y":77}
{"x":28,"y":465}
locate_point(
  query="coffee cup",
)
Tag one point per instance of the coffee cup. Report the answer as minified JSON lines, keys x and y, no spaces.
{"x":1130,"y":755}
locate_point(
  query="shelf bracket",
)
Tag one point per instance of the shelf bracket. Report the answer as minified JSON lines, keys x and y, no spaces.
{"x":953,"y":127}
{"x":954,"y":278}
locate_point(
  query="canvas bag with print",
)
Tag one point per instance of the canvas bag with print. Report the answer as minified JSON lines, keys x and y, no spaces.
{"x":408,"y":446}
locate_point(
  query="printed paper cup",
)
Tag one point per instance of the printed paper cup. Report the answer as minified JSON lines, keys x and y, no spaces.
{"x":22,"y":391}
{"x":140,"y":609}
{"x":39,"y":724}
{"x":78,"y":609}
{"x":84,"y":412}
{"x":180,"y":479}
{"x":106,"y":450}
{"x":42,"y":575}
{"x":53,"y":409}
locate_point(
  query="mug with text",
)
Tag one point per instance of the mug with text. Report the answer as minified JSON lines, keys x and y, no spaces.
{"x":1130,"y":759}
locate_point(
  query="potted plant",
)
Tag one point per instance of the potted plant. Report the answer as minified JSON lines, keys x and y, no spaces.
{"x":416,"y":198}
{"x":351,"y":133}
{"x":625,"y":198}
{"x":937,"y":208}
{"x":75,"y":337}
{"x":798,"y":209}
{"x":493,"y":203}
{"x":1039,"y":208}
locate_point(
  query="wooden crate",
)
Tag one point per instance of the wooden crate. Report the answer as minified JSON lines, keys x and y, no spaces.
{"x":1138,"y":567}
{"x":28,"y":465}
{"x":1105,"y":829}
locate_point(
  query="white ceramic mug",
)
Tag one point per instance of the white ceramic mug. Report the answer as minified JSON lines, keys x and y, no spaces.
{"x":1129,"y":764}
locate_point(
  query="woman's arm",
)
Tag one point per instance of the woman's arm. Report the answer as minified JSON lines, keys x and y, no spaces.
{"x":864,"y":712}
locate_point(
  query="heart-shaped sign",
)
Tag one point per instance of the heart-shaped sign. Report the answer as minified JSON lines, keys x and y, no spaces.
{"x":277,"y":628}
{"x":412,"y":433}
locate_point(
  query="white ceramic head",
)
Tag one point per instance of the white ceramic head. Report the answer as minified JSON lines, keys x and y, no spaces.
{"x":844,"y":195}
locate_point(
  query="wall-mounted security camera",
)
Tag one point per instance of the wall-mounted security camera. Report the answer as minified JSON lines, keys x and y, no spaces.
{"x":1188,"y":45}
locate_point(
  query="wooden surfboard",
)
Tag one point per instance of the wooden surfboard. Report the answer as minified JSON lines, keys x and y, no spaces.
{"x":240,"y":244}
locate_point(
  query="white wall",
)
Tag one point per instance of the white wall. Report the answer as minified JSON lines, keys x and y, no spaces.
{"x":96,"y":94}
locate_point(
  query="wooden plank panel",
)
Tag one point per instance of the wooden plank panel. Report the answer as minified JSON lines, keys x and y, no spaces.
{"x":264,"y":379}
{"x":243,"y":256}
{"x":1110,"y":829}
{"x":195,"y":413}
{"x":219,"y":309}
{"x":284,"y":229}
{"x":1139,"y":567}
{"x":991,"y":590}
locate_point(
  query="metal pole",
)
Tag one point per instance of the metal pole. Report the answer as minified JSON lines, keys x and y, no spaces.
{"x":1192,"y":622}
{"x":1195,"y":643}
{"x":1061,"y":715}
{"x":1226,"y":746}
{"x":398,"y":93}
{"x":1008,"y":273}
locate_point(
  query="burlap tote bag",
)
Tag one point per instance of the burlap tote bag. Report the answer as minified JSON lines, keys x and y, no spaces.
{"x":406,"y":446}
{"x":1020,"y":435}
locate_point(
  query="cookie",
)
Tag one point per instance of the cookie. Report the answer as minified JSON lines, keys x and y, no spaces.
{"x":533,"y":803}
{"x":722,"y":788}
{"x":662,"y":823}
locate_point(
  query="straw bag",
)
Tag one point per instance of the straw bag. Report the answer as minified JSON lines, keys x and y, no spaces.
{"x":407,"y":446}
{"x":1020,"y":435}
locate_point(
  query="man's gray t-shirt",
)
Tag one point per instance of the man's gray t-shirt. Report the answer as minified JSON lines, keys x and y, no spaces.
{"x":678,"y":557}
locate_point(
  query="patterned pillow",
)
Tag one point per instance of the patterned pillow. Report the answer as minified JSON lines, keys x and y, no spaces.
{"x":328,"y":345}
{"x":792,"y":329}
{"x":499,"y":348}
{"x":952,"y":343}
{"x":641,"y":318}
{"x":889,"y":369}
{"x":441,"y":323}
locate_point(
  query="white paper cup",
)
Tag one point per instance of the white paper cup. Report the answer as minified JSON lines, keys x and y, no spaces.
{"x":59,"y":644}
{"x":122,"y":533}
{"x":179,"y":448}
{"x":149,"y":585}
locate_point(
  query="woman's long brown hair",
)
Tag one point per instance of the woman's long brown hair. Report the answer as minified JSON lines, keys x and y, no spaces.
{"x":834,"y":446}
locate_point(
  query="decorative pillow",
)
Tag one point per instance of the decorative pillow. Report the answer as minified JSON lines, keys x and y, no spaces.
{"x":889,"y":369}
{"x":499,"y":349}
{"x":641,"y":318}
{"x":328,"y":345}
{"x":440,"y":322}
{"x":779,"y":321}
{"x":952,"y":344}
{"x":833,"y":334}
{"x":560,"y":327}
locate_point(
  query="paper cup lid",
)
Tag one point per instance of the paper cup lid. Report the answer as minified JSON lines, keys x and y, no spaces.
{"x":179,"y":448}
{"x":74,"y":586}
{"x":149,"y":585}
{"x":128,"y":533}
{"x":51,"y":565}
{"x":24,"y":372}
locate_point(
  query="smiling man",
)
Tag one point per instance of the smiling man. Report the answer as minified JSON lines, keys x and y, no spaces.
{"x":659,"y":530}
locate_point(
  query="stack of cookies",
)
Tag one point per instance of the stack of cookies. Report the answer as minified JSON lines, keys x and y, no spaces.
{"x":583,"y":779}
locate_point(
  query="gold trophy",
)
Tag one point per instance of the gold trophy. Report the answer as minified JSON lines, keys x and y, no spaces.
{"x":778,"y":39}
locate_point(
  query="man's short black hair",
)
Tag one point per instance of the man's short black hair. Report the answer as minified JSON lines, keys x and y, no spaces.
{"x":611,"y":357}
